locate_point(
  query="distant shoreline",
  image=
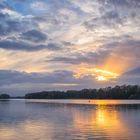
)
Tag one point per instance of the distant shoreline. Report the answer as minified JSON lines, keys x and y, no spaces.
{"x":14,"y":98}
{"x":123,"y":92}
{"x":117,"y":92}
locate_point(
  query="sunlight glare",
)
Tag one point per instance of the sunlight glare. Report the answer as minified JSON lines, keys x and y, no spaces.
{"x":101,"y":78}
{"x":98,"y":73}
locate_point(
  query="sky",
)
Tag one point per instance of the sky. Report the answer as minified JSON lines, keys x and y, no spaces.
{"x":68,"y":44}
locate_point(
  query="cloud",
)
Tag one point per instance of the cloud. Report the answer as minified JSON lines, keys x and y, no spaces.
{"x":112,"y":14}
{"x":133,"y":72}
{"x":41,"y":6}
{"x":25,"y":46}
{"x":95,"y":58}
{"x":21,"y":82}
{"x":85,"y":6}
{"x":123,"y":3}
{"x":9,"y":27}
{"x":14,"y":77}
{"x":34,"y":35}
{"x":53,"y":46}
{"x":3,"y":5}
{"x":11,"y":22}
{"x":109,"y":19}
{"x":16,"y":83}
{"x":129,"y":47}
{"x":21,"y":0}
{"x":130,"y":77}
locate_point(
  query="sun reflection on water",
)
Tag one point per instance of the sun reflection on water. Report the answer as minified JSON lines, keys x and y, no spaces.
{"x":103,"y":121}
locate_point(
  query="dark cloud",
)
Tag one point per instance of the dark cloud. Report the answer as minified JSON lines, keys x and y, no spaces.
{"x":2,"y":16}
{"x":24,"y":46}
{"x":21,"y":0}
{"x":95,"y":58}
{"x":8,"y":77}
{"x":111,"y":18}
{"x":4,"y":5}
{"x":9,"y":25}
{"x":130,"y":47}
{"x":111,"y":15}
{"x":11,"y":21}
{"x":21,"y":82}
{"x":134,"y":3}
{"x":54,"y":46}
{"x":34,"y":35}
{"x":115,"y":2}
{"x":132,"y":72}
{"x":123,"y":3}
{"x":130,"y":77}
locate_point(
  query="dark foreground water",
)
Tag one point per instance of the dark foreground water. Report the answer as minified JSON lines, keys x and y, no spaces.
{"x":69,"y":120}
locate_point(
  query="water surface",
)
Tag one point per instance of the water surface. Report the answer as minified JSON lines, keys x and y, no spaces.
{"x":70,"y":120}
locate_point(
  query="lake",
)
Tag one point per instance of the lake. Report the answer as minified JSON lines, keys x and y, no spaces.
{"x":69,"y":119}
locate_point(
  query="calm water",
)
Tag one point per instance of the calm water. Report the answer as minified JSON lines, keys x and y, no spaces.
{"x":69,"y":120}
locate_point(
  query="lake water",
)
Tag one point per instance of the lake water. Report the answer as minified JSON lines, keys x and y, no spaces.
{"x":70,"y":120}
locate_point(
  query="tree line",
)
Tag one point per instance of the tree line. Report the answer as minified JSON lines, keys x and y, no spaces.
{"x":4,"y":96}
{"x":117,"y":92}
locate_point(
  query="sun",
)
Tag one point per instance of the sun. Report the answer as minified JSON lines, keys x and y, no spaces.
{"x":101,"y":78}
{"x":99,"y":74}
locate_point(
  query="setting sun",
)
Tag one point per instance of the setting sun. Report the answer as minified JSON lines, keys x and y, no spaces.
{"x":104,"y":75}
{"x":101,"y":78}
{"x":97,"y":73}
